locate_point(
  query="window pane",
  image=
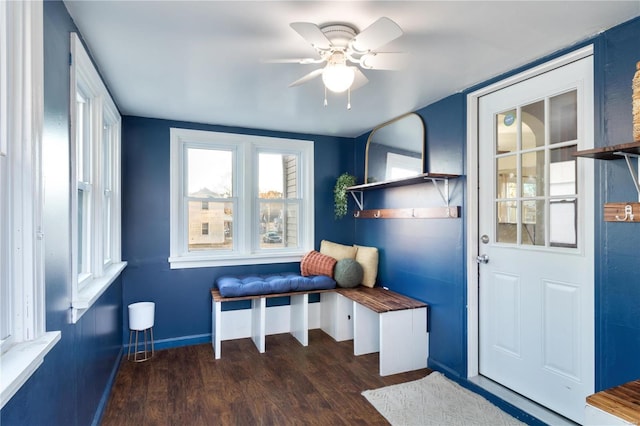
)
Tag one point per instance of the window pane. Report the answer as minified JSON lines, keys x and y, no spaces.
{"x":291,"y":225}
{"x":563,"y":223}
{"x":5,"y":288}
{"x":209,"y":173}
{"x":507,"y":177}
{"x":83,"y":232}
{"x":210,"y":229}
{"x":562,"y":171}
{"x":533,"y":222}
{"x":107,"y":179}
{"x":506,"y":231}
{"x":533,"y":125}
{"x":277,"y":176}
{"x":506,"y":132}
{"x":272,"y":218}
{"x":563,"y":117}
{"x":533,"y":174}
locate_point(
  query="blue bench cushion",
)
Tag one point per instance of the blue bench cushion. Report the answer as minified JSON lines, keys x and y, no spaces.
{"x":252,"y":285}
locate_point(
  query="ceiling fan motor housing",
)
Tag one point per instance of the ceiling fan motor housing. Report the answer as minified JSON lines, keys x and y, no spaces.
{"x":339,"y":35}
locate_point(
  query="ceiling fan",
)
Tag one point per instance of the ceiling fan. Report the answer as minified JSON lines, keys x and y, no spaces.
{"x":346,"y":51}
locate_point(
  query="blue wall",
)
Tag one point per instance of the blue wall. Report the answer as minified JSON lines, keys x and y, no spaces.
{"x":182,"y":296}
{"x":618,"y":244}
{"x":68,"y":387}
{"x":425,"y":258}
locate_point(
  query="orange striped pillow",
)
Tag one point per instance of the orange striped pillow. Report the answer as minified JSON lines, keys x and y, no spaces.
{"x":316,"y":263}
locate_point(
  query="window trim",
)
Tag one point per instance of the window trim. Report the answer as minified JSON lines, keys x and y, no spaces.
{"x":87,"y":287}
{"x":245,"y":181}
{"x":23,"y":57}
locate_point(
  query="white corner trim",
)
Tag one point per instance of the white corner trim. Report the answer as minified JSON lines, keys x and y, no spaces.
{"x":21,"y":361}
{"x":94,"y":289}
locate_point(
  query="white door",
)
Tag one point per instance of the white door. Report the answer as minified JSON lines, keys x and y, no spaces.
{"x":535,"y":200}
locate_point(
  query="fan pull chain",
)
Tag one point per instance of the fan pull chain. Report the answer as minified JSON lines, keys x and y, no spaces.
{"x":349,"y":98}
{"x":325,"y":95}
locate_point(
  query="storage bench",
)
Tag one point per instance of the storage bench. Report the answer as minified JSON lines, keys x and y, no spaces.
{"x":377,"y":319}
{"x":383,"y":321}
{"x":299,"y":317}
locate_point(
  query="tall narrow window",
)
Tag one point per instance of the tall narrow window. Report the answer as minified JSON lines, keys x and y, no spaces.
{"x":259,"y":197}
{"x":95,"y":200}
{"x":23,"y":339}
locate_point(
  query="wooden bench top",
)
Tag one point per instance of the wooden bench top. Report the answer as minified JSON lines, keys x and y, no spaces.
{"x":215,"y":293}
{"x":379,"y":299}
{"x":622,"y":401}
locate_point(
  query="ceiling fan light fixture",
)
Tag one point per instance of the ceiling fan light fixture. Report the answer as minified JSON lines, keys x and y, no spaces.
{"x":337,"y":76}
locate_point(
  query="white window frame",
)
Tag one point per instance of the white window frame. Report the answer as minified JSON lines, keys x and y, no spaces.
{"x":21,"y":260}
{"x":245,"y":183}
{"x":100,"y":185}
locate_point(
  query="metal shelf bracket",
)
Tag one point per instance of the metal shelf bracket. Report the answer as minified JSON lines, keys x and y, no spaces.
{"x":634,"y":175}
{"x":444,"y":192}
{"x":357,"y":197}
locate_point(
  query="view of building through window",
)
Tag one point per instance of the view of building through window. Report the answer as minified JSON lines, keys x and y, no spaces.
{"x":212,"y":198}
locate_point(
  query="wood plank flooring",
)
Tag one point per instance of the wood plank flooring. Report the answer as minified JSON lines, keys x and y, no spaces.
{"x":289,"y":384}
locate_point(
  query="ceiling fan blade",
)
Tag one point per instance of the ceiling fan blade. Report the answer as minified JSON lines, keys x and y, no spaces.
{"x":313,"y":74}
{"x":303,"y":61}
{"x":359,"y":80}
{"x":381,"y":32}
{"x":313,"y":34}
{"x":384,"y":61}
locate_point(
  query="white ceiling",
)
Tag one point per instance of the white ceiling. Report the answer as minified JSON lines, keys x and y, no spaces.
{"x":202,"y":61}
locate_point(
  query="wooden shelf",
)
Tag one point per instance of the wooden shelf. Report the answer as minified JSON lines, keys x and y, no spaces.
{"x":356,"y":192}
{"x":616,"y":152}
{"x":402,"y":182}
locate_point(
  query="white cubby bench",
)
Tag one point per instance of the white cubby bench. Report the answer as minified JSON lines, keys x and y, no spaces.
{"x":376,"y":319}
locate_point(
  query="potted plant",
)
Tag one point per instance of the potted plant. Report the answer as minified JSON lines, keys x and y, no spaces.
{"x":344,"y":181}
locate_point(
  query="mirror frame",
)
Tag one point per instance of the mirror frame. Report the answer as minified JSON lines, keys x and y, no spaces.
{"x":388,"y":123}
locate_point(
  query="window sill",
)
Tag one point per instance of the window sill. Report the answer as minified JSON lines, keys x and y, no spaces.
{"x":90,"y":293}
{"x":183,"y":262}
{"x":21,"y":361}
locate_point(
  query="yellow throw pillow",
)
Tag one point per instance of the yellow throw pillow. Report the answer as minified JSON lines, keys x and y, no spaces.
{"x":337,"y":251}
{"x":367,"y":257}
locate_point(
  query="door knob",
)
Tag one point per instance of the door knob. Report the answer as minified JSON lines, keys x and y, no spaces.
{"x":483,"y":258}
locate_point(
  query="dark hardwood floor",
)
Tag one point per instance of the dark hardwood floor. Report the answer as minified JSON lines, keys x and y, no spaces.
{"x":289,"y":384}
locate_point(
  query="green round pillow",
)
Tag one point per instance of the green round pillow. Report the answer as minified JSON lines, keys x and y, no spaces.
{"x":348,"y":273}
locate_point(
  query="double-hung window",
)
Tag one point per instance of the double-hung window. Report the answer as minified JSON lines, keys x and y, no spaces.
{"x":23,"y":339}
{"x":95,"y":196}
{"x":239,"y":199}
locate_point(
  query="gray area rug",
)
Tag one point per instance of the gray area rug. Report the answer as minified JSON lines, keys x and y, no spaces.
{"x":435,"y":400}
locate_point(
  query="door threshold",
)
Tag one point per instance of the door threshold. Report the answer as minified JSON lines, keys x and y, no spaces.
{"x":528,"y":406}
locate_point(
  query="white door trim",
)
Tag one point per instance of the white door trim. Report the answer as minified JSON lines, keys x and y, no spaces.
{"x":472,"y":193}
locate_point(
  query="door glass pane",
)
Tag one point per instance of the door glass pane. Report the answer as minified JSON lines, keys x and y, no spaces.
{"x":563,"y":117}
{"x":507,"y":177}
{"x":533,"y":222}
{"x":562,"y":171}
{"x":507,"y":214}
{"x":533,"y":125}
{"x":209,"y":173}
{"x":506,"y":132}
{"x":210,"y":228}
{"x":563,"y":223}
{"x":533,"y":174}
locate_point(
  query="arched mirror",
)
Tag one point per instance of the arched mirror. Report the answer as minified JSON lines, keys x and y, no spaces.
{"x":395,"y":149}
